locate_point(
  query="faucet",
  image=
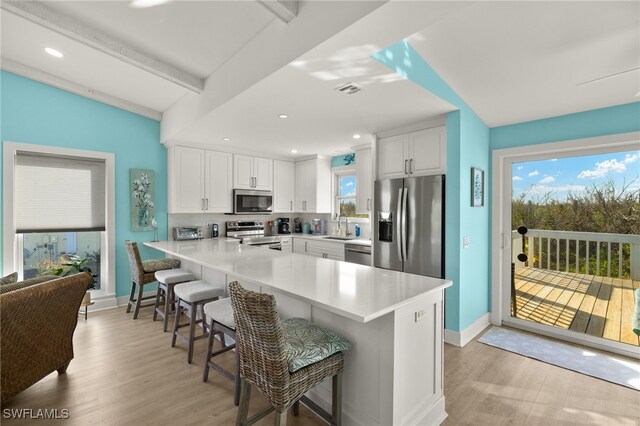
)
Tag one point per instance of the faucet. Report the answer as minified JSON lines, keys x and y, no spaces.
{"x":346,"y":226}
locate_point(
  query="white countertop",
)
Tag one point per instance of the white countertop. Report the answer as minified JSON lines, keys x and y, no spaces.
{"x":361,"y":293}
{"x":318,"y":237}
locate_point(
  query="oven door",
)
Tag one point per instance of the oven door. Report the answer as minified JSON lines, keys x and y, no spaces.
{"x":252,"y":202}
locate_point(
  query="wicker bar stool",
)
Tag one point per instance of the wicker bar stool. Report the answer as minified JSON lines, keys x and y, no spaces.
{"x":283,"y":359}
{"x":189,"y":297}
{"x":166,"y":281}
{"x":143,"y":273}
{"x":220,"y":315}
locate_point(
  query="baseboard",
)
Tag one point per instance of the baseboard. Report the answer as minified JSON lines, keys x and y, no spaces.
{"x":461,"y":338}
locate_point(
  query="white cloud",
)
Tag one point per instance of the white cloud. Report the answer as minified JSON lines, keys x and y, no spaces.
{"x":603,"y":168}
{"x":520,"y":167}
{"x":630,"y":158}
{"x":554,"y":159}
{"x":547,"y":179}
{"x":543,"y":189}
{"x":348,"y":184}
{"x":516,"y":178}
{"x":533,"y":173}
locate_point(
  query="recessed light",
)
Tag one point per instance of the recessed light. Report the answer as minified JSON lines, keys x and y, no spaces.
{"x":294,"y":151}
{"x":143,"y":4}
{"x":356,"y":136}
{"x":283,"y":116}
{"x":226,"y":139}
{"x":53,"y":52}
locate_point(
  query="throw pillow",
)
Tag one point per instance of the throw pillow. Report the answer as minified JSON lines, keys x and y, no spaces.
{"x":9,"y":279}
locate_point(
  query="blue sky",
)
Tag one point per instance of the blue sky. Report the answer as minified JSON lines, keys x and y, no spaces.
{"x":574,"y":174}
{"x":348,"y":186}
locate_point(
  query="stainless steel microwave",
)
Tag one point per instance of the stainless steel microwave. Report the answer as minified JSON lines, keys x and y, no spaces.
{"x":252,"y":202}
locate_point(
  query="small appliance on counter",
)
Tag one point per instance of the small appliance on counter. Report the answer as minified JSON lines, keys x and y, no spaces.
{"x":183,"y":233}
{"x":214,"y":230}
{"x":283,"y":225}
{"x":297,"y":226}
{"x":317,"y":226}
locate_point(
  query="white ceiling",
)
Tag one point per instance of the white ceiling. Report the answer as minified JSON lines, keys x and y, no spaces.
{"x":510,"y":61}
{"x":521,"y":61}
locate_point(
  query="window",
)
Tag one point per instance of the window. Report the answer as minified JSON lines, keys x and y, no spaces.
{"x":346,"y":187}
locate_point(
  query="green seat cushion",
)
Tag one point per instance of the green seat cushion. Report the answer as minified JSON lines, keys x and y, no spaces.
{"x":307,"y":343}
{"x":155,"y":265}
{"x":9,"y":279}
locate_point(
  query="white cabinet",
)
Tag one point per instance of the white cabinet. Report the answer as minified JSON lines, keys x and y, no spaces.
{"x":323,"y":249}
{"x":252,"y":172}
{"x":417,"y":153}
{"x":313,"y":186}
{"x":364,"y":181}
{"x":283,"y":186}
{"x":199,"y":180}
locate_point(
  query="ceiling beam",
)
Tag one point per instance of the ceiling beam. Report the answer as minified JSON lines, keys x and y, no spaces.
{"x":50,"y":18}
{"x":286,"y":10}
{"x":44,"y":77}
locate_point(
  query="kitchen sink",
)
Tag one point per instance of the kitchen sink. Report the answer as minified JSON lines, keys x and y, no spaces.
{"x":340,"y":238}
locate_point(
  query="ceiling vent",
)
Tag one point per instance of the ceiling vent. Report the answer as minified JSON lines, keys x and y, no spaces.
{"x":348,"y":88}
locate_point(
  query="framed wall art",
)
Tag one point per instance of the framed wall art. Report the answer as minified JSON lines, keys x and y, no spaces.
{"x":143,"y":199}
{"x":477,"y":187}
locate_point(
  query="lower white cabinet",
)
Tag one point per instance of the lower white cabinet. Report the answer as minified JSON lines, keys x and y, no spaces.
{"x":323,"y":249}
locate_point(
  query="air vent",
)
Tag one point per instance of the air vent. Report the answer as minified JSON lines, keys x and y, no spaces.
{"x":348,"y":88}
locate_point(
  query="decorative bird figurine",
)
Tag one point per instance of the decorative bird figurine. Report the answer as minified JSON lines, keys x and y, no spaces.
{"x":154,"y":224}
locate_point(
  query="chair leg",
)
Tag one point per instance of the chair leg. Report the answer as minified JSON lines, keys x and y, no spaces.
{"x":192,"y":330}
{"x":281,"y":418}
{"x":131,"y":299}
{"x":295,"y":408}
{"x":205,"y":373}
{"x":157,"y":303}
{"x":138,"y":302}
{"x":236,"y":391}
{"x":63,"y":369}
{"x":336,"y":405}
{"x":243,"y":408}
{"x":176,"y":323}
{"x":167,"y":301}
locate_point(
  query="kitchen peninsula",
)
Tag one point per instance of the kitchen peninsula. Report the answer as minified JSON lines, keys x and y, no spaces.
{"x":393,"y":374}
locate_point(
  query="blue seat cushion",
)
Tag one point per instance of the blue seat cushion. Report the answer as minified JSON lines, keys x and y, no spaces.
{"x":307,"y":343}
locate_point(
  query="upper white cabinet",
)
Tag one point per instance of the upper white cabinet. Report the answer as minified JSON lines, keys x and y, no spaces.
{"x":199,"y":180}
{"x":417,"y":153}
{"x":364,"y":181}
{"x":252,"y":172}
{"x":313,"y":186}
{"x":283,"y":186}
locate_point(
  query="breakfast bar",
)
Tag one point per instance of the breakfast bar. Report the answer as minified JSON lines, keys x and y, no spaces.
{"x":393,"y":374}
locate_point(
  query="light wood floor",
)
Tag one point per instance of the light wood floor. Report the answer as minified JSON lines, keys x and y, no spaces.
{"x":598,"y":306}
{"x":126,"y":373}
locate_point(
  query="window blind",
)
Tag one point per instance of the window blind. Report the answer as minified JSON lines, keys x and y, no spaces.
{"x":56,"y":193}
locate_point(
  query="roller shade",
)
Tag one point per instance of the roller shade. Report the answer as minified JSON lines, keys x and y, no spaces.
{"x":56,"y":193}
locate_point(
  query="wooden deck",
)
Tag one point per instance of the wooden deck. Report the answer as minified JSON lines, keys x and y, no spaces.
{"x":598,"y":306}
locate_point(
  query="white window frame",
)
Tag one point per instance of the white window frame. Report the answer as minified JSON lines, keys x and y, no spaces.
{"x":502,"y":164}
{"x":12,"y":243}
{"x":337,"y":173}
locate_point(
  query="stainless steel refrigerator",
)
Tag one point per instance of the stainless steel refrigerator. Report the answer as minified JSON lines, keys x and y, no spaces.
{"x":409,"y":225}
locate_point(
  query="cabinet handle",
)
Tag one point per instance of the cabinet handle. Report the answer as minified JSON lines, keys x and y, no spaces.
{"x":368,"y":204}
{"x":203,"y":204}
{"x":405,"y":167}
{"x":305,"y":246}
{"x":411,"y":166}
{"x":207,"y":203}
{"x":291,"y":207}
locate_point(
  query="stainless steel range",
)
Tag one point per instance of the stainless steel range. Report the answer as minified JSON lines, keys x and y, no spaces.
{"x":251,"y":233}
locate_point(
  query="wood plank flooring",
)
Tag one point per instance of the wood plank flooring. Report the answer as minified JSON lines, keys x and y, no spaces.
{"x":126,"y":373}
{"x":598,"y":306}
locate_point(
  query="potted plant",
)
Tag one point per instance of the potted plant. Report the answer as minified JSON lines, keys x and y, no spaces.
{"x":71,"y":264}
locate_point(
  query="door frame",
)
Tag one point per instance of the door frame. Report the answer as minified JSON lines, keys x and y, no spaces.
{"x":502,"y":161}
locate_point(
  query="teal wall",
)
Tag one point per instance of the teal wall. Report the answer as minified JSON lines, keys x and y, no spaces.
{"x":467,"y":146}
{"x":598,"y":122}
{"x":35,"y":113}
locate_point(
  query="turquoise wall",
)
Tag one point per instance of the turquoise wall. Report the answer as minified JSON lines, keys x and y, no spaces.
{"x":467,"y":146}
{"x":35,"y":113}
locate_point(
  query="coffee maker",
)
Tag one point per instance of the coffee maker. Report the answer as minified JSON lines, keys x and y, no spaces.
{"x":283,"y":225}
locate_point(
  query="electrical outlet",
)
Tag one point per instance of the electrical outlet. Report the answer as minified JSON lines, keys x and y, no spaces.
{"x":420,"y":315}
{"x":465,"y":241}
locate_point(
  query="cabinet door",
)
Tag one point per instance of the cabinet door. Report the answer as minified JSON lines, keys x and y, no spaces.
{"x":218,"y":182}
{"x":188,"y":180}
{"x":393,"y":154}
{"x":427,"y":151}
{"x":302,"y":185}
{"x":262,"y":174}
{"x":364,"y":181}
{"x":299,"y":245}
{"x":283,"y":186}
{"x":310,"y":186}
{"x":242,"y":171}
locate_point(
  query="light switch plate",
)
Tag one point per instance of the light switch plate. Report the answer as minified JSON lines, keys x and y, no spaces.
{"x":420,"y":315}
{"x":465,"y":241}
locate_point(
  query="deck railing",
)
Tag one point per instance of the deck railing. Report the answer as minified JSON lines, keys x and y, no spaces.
{"x":591,"y":253}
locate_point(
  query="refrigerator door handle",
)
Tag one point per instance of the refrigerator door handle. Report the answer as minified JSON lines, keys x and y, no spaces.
{"x":400,"y":224}
{"x":405,"y":241}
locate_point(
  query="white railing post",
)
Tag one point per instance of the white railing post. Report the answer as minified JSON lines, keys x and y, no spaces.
{"x":635,"y":261}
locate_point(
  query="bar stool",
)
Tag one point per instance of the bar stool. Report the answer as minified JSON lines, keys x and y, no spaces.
{"x":190,"y":296}
{"x":166,"y":281}
{"x":220,"y":314}
{"x":143,"y":273}
{"x":283,"y":359}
